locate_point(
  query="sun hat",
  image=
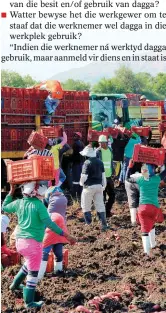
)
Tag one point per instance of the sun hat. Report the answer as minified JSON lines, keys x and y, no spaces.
{"x":102,"y":138}
{"x":88,"y":152}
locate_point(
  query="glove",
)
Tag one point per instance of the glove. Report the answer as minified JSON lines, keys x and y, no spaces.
{"x":131,"y":163}
{"x":6,"y":250}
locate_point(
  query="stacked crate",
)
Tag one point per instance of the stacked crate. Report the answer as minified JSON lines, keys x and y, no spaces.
{"x":75,"y":108}
{"x":19,"y":106}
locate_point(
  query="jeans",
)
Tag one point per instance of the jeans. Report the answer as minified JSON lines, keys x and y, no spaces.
{"x":125,"y":164}
{"x":51,"y":105}
{"x":57,"y":249}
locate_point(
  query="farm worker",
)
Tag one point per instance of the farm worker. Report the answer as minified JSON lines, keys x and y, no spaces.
{"x":132,"y":191}
{"x":163,"y":140}
{"x":52,"y":101}
{"x":51,"y":104}
{"x":55,"y":242}
{"x":128,"y":153}
{"x":55,"y":152}
{"x":65,"y":155}
{"x":32,"y":219}
{"x":118,"y":146}
{"x":93,"y":181}
{"x":77,"y":161}
{"x":4,"y":225}
{"x":56,"y":201}
{"x":149,"y":210}
{"x":104,"y":153}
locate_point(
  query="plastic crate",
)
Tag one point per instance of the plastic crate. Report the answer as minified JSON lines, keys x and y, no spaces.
{"x":38,"y":141}
{"x":141,"y":131}
{"x":113,"y":132}
{"x":17,"y":92}
{"x":125,"y":131}
{"x":148,"y":155}
{"x":6,"y":92}
{"x":17,"y":145}
{"x":93,"y":135}
{"x":33,"y":169}
{"x":15,"y":259}
{"x":7,"y":105}
{"x":51,"y":132}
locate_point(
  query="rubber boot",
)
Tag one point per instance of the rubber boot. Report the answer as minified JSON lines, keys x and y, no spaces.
{"x":28,"y":295}
{"x":133,"y":212}
{"x":102,"y":218}
{"x":88,"y":217}
{"x":42,"y":270}
{"x":18,"y":279}
{"x":152,"y":238}
{"x":146,"y":243}
{"x":58,"y":266}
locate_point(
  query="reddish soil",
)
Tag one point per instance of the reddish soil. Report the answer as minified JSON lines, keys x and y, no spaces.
{"x":101,"y":264}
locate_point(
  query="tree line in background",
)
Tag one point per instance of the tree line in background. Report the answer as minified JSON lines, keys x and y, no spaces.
{"x":124,"y":81}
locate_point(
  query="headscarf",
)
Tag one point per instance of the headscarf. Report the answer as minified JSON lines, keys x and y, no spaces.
{"x":33,"y":189}
{"x":147,"y":170}
{"x":52,"y":190}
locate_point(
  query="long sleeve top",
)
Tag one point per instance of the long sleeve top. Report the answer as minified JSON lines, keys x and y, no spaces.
{"x":32,"y":217}
{"x":148,"y":188}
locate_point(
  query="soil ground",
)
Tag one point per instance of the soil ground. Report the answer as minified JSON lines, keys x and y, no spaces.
{"x":100,"y":264}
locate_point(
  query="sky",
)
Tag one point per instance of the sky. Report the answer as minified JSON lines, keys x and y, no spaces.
{"x":44,"y":70}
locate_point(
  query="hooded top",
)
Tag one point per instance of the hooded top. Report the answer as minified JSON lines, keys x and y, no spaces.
{"x":58,"y":204}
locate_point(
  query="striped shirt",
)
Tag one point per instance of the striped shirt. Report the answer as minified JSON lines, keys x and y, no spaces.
{"x":44,"y":152}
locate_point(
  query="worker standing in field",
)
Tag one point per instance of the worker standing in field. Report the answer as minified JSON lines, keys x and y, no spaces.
{"x":104,"y":153}
{"x":33,"y":218}
{"x":93,"y":181}
{"x":56,"y":201}
{"x":55,"y":242}
{"x":77,"y":162}
{"x":149,"y":209}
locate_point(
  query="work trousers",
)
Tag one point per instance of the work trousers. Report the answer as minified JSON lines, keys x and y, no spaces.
{"x":92,"y":194}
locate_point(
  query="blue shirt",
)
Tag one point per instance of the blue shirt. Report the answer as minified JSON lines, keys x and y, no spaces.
{"x":128,"y":152}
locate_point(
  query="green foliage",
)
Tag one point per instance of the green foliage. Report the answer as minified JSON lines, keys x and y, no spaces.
{"x":159,"y":84}
{"x":14,"y":79}
{"x":126,"y":81}
{"x":104,"y":86}
{"x":78,"y":85}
